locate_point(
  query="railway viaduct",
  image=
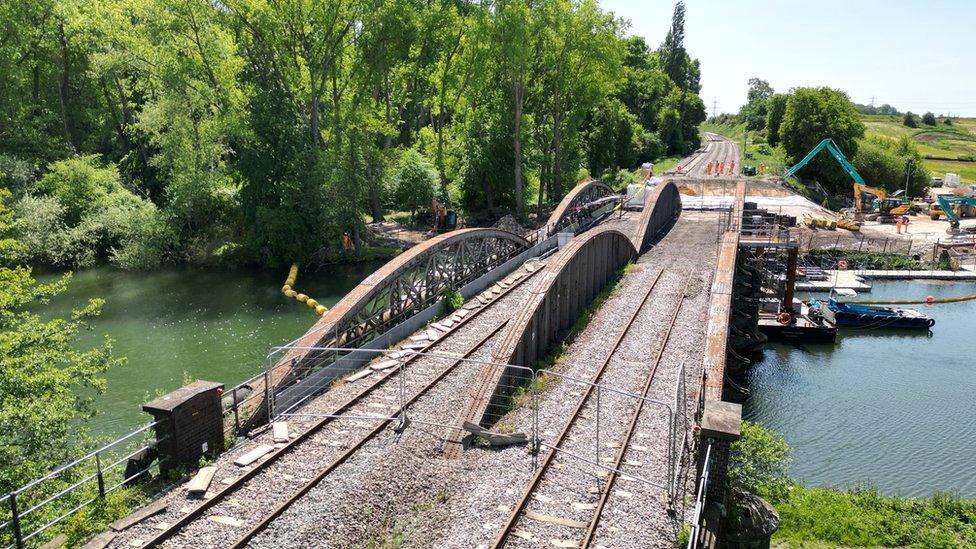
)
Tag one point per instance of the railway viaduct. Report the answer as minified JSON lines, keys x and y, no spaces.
{"x":506,"y":422}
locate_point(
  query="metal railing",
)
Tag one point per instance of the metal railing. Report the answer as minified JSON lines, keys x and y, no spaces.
{"x":696,"y":540}
{"x":674,"y":416}
{"x":68,"y":489}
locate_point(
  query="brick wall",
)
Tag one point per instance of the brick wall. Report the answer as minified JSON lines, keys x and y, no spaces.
{"x":190,"y":424}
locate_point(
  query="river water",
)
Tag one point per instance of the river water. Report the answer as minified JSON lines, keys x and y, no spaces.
{"x":182,"y":323}
{"x":891,"y":409}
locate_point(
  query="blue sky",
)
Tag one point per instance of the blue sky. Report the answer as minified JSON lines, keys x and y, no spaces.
{"x":918,"y":55}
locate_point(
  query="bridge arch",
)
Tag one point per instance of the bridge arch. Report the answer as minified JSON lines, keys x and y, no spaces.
{"x":406,"y":285}
{"x":567,"y":285}
{"x":579,"y":204}
{"x":662,"y":206}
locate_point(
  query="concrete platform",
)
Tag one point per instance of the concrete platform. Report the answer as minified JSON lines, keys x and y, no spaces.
{"x":836,"y":279}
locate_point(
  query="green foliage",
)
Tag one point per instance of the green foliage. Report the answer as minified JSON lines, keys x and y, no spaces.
{"x":89,"y":215}
{"x":858,"y":517}
{"x":46,"y":383}
{"x":811,"y":115}
{"x":759,"y":463}
{"x":864,"y":518}
{"x":453,"y":300}
{"x":828,"y":259}
{"x":909,"y":120}
{"x":891,"y":163}
{"x":268,"y":128}
{"x":756,"y":110}
{"x":774,"y":117}
{"x":414,"y":181}
{"x":929,"y":119}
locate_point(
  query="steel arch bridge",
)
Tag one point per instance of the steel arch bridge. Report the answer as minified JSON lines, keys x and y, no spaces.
{"x":579,"y":205}
{"x":403,"y":287}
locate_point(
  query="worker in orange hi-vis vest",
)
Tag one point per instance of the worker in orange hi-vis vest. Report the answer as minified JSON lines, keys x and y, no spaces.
{"x":708,"y":170}
{"x":721,"y":167}
{"x":898,"y":224}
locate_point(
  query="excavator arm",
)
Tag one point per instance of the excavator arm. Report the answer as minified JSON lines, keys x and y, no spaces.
{"x":946,"y":203}
{"x":834,"y":150}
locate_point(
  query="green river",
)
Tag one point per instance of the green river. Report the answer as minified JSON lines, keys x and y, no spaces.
{"x":183,"y":323}
{"x":890,"y":408}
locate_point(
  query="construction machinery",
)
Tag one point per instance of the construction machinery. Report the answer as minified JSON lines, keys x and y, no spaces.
{"x":885,"y":204}
{"x":953,"y":207}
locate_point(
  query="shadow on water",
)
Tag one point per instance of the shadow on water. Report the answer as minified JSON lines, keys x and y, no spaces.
{"x":202,"y":324}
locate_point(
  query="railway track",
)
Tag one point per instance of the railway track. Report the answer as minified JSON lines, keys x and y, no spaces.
{"x":717,"y":149}
{"x":520,"y":519}
{"x":286,"y":470}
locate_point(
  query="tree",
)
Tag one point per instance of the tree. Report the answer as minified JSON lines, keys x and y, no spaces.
{"x":46,"y":383}
{"x":928,"y":119}
{"x":415,"y":182}
{"x":813,"y":114}
{"x":910,"y":120}
{"x":755,"y":110}
{"x":776,"y":108}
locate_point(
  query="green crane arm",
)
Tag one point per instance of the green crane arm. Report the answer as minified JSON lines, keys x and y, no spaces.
{"x":832,"y":147}
{"x":946,"y":202}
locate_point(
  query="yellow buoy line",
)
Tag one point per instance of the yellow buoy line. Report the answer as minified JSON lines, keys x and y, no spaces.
{"x":289,"y":291}
{"x":918,"y":301}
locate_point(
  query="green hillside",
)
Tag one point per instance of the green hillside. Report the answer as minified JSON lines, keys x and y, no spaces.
{"x":946,"y":148}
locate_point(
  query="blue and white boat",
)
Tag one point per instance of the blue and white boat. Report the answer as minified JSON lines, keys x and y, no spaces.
{"x":873,"y":316}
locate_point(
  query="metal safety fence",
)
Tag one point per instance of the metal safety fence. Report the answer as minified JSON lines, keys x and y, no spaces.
{"x":31,"y":512}
{"x":664,"y":452}
{"x":422,"y":390}
{"x":696,"y":539}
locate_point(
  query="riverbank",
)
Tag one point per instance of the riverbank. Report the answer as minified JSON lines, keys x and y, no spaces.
{"x":178,"y":323}
{"x":853,"y":517}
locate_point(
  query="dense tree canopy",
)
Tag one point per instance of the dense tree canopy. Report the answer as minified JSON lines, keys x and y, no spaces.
{"x":811,"y":115}
{"x":260,"y":131}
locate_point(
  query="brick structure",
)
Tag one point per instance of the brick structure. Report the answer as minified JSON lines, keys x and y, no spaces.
{"x":190,"y":424}
{"x":721,"y":425}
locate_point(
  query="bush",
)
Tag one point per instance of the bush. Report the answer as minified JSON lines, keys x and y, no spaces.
{"x":453,"y":300}
{"x":928,"y":119}
{"x":910,"y":120}
{"x":89,"y":215}
{"x":16,"y":175}
{"x":415,"y":181}
{"x":759,"y":463}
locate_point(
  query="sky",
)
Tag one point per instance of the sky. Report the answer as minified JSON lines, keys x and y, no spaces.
{"x":914,"y":55}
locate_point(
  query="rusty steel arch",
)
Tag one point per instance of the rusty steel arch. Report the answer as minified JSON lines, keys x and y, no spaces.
{"x":405,"y":286}
{"x":568,"y":284}
{"x":579,"y":204}
{"x":662,"y":206}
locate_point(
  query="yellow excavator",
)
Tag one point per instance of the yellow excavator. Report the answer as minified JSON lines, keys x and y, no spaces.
{"x":886,"y":207}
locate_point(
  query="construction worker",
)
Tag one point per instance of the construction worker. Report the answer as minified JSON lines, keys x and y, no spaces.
{"x":898,"y":224}
{"x":708,"y":170}
{"x":732,"y":169}
{"x":346,"y":241}
{"x":721,"y":167}
{"x":904,"y":222}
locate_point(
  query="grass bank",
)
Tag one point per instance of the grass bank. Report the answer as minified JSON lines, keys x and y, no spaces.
{"x":824,"y":517}
{"x":853,"y":517}
{"x":944,"y":147}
